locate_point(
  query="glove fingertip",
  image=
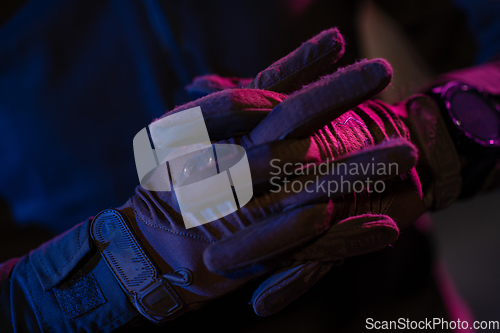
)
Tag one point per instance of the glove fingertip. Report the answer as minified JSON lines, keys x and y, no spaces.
{"x":385,"y":65}
{"x":286,"y":285}
{"x":378,"y":73}
{"x":210,"y":258}
{"x":303,"y":65}
{"x":361,"y":234}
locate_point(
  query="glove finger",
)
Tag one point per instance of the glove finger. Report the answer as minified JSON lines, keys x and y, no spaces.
{"x":351,"y":237}
{"x":279,"y":234}
{"x":302,"y":66}
{"x":316,"y":184}
{"x":317,"y":104}
{"x":282,"y":158}
{"x":279,"y":190}
{"x":234,"y":112}
{"x":286,"y":285}
{"x":270,"y":163}
{"x":264,"y":241}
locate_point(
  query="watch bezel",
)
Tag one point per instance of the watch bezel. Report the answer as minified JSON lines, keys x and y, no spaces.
{"x":447,"y":91}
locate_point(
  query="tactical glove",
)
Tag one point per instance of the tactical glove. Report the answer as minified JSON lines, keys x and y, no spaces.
{"x":160,"y":263}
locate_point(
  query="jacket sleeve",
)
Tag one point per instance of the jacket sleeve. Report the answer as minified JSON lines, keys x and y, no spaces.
{"x":62,"y":286}
{"x":486,"y":75}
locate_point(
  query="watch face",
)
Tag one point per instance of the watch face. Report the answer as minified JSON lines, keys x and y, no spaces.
{"x":474,"y":114}
{"x":476,"y":117}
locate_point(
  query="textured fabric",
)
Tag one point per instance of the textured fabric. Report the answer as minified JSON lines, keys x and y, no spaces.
{"x":52,"y":264}
{"x":157,"y":220}
{"x":318,"y":53}
{"x":79,"y":294}
{"x":85,"y":298}
{"x":365,"y":222}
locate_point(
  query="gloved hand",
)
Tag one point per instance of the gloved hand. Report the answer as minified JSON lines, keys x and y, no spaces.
{"x":316,"y":57}
{"x":153,"y":217}
{"x":364,"y":222}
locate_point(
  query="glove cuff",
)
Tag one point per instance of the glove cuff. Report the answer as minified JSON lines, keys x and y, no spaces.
{"x":438,"y":150}
{"x":151,"y":293}
{"x":64,"y":286}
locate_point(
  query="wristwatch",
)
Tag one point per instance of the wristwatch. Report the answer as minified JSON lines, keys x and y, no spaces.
{"x":472,"y":117}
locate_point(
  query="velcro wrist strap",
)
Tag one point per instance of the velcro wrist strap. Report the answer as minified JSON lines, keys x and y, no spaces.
{"x":151,"y":293}
{"x":439,"y":149}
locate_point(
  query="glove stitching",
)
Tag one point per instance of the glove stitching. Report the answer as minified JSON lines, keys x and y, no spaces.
{"x":44,"y":267}
{"x":171,"y":231}
{"x":32,"y":300}
{"x":67,"y":262}
{"x":78,"y":250}
{"x":74,"y":254}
